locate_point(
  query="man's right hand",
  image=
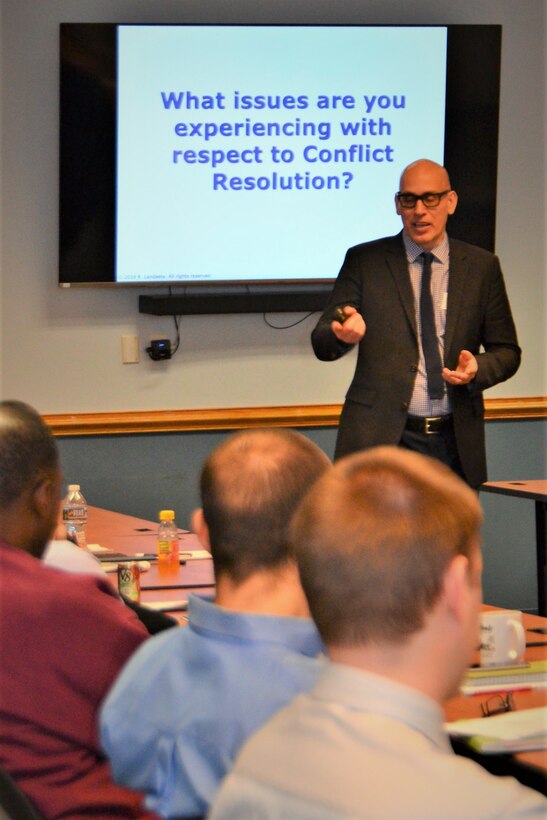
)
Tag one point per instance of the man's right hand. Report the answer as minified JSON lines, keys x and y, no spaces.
{"x":353,"y":329}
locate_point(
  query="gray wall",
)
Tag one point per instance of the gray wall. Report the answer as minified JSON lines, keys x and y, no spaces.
{"x":60,"y":350}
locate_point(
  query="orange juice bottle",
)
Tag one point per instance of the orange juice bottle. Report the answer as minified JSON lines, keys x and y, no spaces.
{"x":168,"y":542}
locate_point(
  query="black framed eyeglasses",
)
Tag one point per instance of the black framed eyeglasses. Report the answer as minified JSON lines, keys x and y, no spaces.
{"x":498,"y":704}
{"x":430,"y":199}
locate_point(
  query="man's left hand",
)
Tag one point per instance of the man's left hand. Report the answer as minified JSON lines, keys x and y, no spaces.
{"x":465,"y":371}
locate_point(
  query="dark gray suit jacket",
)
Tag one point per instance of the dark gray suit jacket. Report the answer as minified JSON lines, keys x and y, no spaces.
{"x":375,"y":280}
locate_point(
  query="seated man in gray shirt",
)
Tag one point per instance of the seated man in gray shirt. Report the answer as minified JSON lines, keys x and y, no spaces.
{"x":388,"y":549}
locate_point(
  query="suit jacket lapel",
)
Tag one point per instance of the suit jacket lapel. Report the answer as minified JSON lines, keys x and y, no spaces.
{"x":398,"y":266}
{"x":458,"y":273}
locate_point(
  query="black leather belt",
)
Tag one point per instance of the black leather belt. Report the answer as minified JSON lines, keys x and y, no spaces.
{"x":427,"y":426}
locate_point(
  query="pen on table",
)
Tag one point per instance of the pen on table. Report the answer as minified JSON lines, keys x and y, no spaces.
{"x":108,"y":559}
{"x":176,"y":586}
{"x":146,"y":530}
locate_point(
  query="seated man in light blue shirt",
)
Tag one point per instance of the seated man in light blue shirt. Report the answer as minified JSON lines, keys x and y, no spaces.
{"x":179,"y":712}
{"x":389,"y":554}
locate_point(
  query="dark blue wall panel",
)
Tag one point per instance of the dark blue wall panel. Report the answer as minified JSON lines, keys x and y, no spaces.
{"x":141,"y":474}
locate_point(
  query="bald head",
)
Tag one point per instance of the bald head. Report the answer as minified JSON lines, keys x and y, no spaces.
{"x":250,"y":487}
{"x":425,"y":224}
{"x":427,"y":167}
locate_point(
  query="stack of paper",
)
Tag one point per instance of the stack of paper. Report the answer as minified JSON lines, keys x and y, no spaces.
{"x":503,"y":679}
{"x":524,"y":730}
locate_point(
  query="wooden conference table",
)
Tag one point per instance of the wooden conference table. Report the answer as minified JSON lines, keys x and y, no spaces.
{"x":130,"y":535}
{"x":530,"y":767}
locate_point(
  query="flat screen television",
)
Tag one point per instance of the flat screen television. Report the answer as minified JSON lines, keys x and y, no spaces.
{"x":233,"y":165}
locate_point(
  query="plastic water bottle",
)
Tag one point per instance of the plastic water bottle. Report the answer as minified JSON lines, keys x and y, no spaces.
{"x":75,"y":515}
{"x":168,"y":540}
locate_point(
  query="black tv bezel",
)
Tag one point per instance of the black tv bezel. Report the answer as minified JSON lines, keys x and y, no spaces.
{"x":88,"y":153}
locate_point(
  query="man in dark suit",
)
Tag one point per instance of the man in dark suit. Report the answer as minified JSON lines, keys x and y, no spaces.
{"x":376,"y":303}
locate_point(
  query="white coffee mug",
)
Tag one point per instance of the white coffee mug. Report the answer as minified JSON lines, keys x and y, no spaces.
{"x":503,"y":641}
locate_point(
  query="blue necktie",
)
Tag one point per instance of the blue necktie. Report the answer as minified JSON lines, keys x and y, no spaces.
{"x":430,"y":343}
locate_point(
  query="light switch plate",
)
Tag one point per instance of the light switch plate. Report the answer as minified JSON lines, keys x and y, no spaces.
{"x":130,"y":349}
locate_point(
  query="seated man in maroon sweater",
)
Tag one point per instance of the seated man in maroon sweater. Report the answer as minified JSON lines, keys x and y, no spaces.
{"x":63,"y":640}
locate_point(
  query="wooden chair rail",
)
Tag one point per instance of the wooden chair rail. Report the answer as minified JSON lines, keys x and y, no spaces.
{"x":235,"y":418}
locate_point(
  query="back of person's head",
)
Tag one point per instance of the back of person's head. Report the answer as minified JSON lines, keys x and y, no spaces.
{"x":373,"y":540}
{"x":29,"y":476}
{"x":250,"y":487}
{"x":27,"y":450}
